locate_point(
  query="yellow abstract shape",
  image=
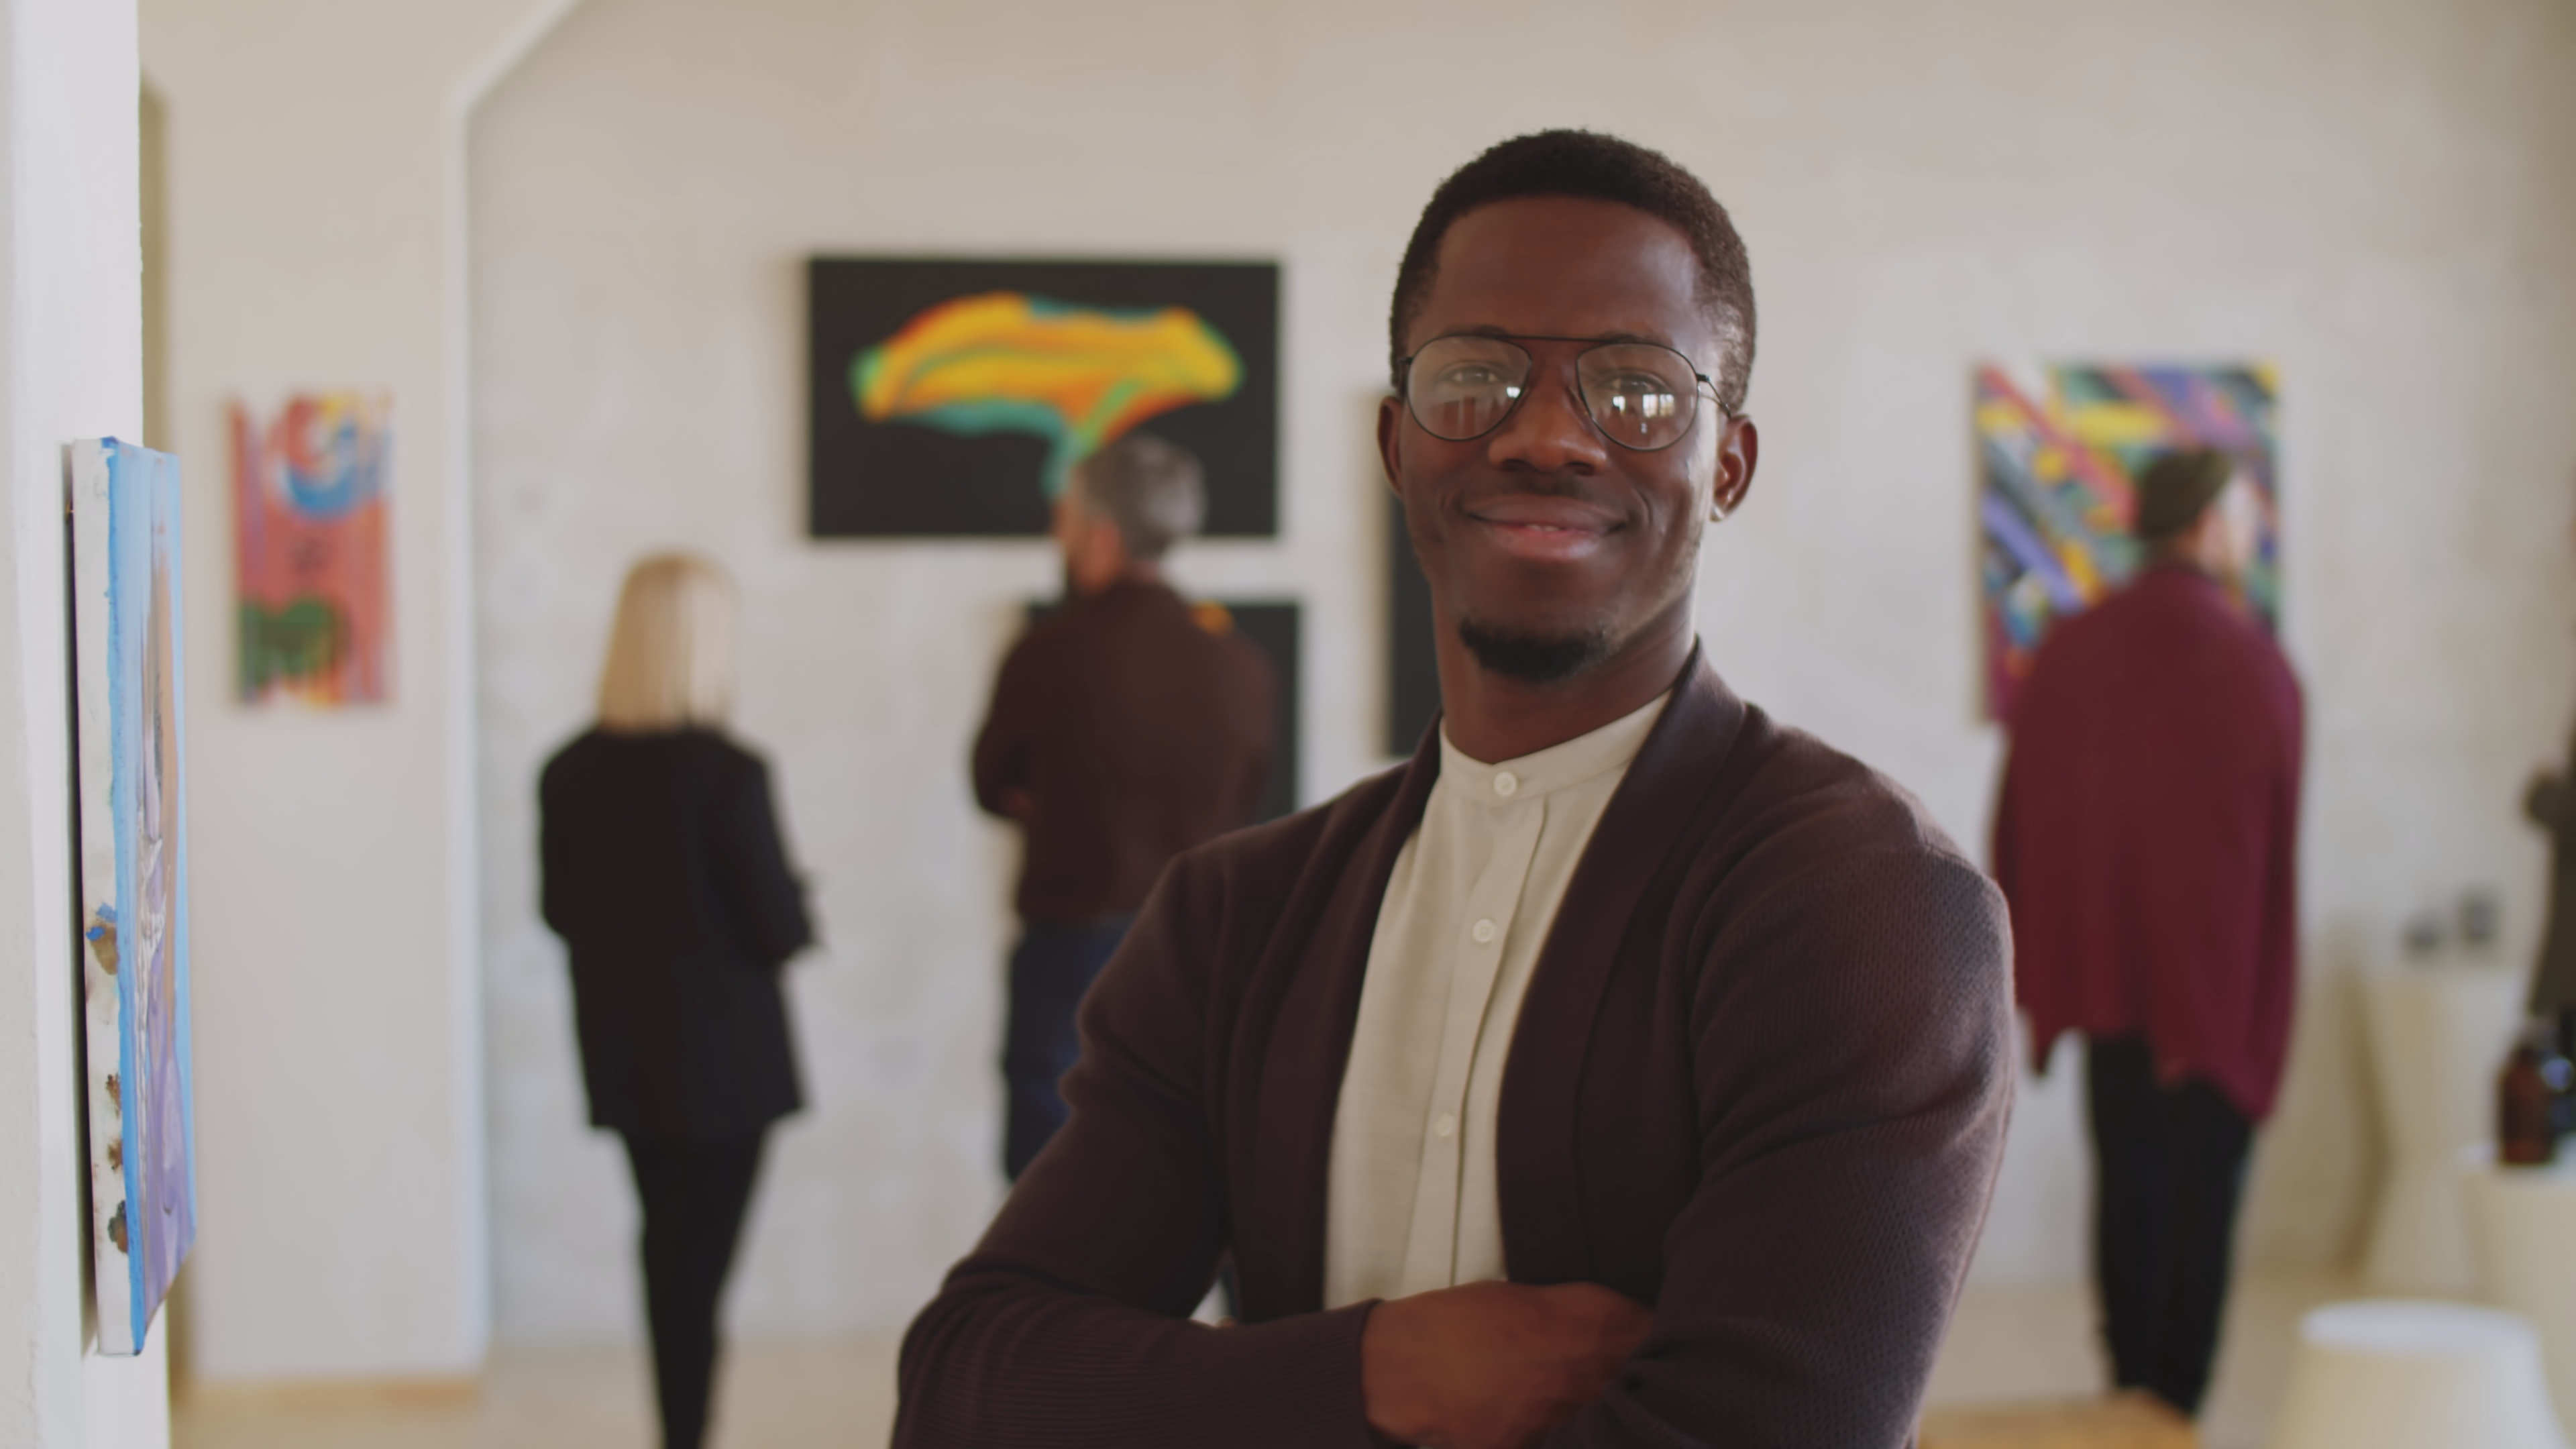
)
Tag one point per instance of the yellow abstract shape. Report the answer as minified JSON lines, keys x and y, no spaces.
{"x":2118,"y":425}
{"x":1077,"y":377}
{"x":2078,"y":562}
{"x":1214,"y":617}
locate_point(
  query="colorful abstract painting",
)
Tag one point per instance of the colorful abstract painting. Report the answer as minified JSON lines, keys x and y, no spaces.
{"x":311,"y":596}
{"x":951,"y":398}
{"x":2058,"y":444}
{"x":129,"y":679}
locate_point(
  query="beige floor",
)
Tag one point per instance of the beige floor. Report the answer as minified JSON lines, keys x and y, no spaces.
{"x":2009,"y":1343}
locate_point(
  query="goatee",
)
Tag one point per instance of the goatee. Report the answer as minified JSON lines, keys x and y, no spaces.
{"x":1534,"y":658}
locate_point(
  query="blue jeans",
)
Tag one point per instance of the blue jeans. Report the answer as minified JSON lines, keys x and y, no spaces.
{"x":1050,"y":970}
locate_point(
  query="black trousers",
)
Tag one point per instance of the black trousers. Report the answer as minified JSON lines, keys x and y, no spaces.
{"x":694,"y":1195}
{"x":2169,"y":1171}
{"x":1050,"y":970}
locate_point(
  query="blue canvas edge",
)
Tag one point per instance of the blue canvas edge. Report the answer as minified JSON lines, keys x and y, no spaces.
{"x":137,"y":496}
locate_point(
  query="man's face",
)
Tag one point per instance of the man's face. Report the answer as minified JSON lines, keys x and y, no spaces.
{"x":1544,"y":532}
{"x":2239,"y":527}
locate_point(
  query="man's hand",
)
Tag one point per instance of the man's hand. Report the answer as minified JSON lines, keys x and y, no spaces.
{"x":1492,"y":1365}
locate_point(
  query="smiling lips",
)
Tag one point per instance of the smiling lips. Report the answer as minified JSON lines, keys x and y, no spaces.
{"x":1544,"y":529}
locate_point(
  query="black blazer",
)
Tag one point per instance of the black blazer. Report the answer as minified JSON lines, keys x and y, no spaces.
{"x":665,"y":876}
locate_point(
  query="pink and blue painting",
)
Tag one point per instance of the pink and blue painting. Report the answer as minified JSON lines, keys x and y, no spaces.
{"x":129,"y":678}
{"x":313,"y":605}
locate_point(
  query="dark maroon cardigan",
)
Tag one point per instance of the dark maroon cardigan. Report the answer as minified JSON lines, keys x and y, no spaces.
{"x":1760,"y":1082}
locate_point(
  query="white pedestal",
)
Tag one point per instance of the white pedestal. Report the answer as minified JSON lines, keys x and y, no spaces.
{"x":2398,"y":1375}
{"x":2438,"y":1036}
{"x":2523,"y":1221}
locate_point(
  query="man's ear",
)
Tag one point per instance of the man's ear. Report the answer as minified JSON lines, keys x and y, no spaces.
{"x":1390,"y":428}
{"x":1738,"y":449}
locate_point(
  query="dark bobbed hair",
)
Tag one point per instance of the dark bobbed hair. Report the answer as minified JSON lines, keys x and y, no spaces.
{"x":2176,"y":488}
{"x":1591,"y":165}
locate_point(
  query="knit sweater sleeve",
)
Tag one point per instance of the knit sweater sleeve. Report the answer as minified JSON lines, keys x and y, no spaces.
{"x":1069,"y":1324}
{"x":1852,"y":1045}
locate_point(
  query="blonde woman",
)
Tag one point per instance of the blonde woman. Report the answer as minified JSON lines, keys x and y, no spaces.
{"x":666,"y":878}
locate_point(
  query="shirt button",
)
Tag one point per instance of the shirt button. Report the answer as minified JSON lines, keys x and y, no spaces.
{"x":1446,"y":1125}
{"x":1483,"y":932}
{"x":1506,"y":783}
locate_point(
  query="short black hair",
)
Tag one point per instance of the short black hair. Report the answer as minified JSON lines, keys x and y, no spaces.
{"x":1604,"y":168}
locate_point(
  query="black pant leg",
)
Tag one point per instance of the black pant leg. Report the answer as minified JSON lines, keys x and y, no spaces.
{"x":2210,"y":1139}
{"x":2133,"y":1191}
{"x":694,"y":1195}
{"x":1050,"y":970}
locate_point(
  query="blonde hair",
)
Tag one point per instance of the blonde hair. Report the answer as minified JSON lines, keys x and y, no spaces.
{"x":670,"y":656}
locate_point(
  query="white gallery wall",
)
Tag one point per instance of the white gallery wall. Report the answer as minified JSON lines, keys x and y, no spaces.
{"x":2376,"y":197}
{"x":312,"y":156}
{"x":71,"y":367}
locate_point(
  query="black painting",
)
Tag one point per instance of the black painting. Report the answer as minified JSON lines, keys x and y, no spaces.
{"x":973,"y":423}
{"x":1413,"y":672}
{"x":1273,"y":628}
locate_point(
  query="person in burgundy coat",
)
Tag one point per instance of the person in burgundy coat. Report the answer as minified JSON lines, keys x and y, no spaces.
{"x":1627,"y":1069}
{"x":2148,"y":839}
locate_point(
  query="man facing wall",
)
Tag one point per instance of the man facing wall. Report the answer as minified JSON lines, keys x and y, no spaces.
{"x":1122,"y":732}
{"x":2147,"y":839}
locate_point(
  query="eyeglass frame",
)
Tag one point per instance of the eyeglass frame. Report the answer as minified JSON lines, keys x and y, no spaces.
{"x":1404,"y":384}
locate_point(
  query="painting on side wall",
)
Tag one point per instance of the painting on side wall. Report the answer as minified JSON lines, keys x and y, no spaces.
{"x":1274,"y":627}
{"x":2058,"y":445}
{"x":949,"y":399}
{"x":129,"y":679}
{"x":1413,"y":665}
{"x":313,"y":610}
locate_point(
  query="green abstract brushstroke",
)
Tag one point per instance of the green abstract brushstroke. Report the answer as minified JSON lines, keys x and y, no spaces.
{"x":304,"y":640}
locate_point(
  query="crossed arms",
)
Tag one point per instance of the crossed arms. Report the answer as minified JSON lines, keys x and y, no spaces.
{"x":1850,"y":1039}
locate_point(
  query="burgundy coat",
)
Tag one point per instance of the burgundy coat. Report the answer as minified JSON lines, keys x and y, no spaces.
{"x":1760,"y":1082}
{"x":2148,"y":835}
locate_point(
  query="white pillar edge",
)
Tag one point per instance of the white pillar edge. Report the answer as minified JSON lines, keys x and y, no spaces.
{"x":464,"y":821}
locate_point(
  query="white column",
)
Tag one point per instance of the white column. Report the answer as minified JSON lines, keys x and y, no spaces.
{"x":71,"y":366}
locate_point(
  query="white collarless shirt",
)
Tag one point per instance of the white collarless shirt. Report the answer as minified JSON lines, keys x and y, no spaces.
{"x":1412,"y":1203}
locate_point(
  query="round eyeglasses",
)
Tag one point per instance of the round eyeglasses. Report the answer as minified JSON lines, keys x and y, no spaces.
{"x":1641,"y":395}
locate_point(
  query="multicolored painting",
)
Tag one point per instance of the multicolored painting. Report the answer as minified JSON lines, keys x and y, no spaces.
{"x":2058,"y":445}
{"x":129,"y":679}
{"x":951,"y":398}
{"x":309,"y":490}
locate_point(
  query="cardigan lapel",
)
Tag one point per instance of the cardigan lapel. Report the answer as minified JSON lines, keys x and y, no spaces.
{"x":1309,"y":1043}
{"x":1535,"y":1163}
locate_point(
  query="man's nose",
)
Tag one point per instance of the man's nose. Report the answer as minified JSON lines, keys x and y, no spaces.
{"x":1549,"y":432}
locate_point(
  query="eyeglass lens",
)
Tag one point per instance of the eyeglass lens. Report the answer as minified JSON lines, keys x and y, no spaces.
{"x":1641,"y":395}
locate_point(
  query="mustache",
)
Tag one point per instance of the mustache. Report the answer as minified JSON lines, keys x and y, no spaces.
{"x":1607,"y":504}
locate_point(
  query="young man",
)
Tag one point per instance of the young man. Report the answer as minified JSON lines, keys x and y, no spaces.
{"x":1122,"y":733}
{"x":1628,"y":1069}
{"x":2148,"y":841}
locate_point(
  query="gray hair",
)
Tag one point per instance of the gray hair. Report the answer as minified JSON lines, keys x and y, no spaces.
{"x":1153,"y":491}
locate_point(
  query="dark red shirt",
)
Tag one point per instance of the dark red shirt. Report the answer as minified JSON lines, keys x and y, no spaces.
{"x":1134,"y":732}
{"x":2147,"y":838}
